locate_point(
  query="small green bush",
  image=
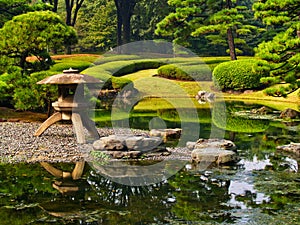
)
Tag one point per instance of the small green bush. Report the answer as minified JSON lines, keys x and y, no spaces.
{"x":240,"y":74}
{"x":268,"y":81}
{"x":79,"y":65}
{"x":186,"y":72}
{"x":274,"y":91}
{"x":171,"y":72}
{"x":119,"y":82}
{"x":30,"y":95}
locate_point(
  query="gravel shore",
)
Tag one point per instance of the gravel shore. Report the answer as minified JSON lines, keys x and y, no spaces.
{"x":57,"y":144}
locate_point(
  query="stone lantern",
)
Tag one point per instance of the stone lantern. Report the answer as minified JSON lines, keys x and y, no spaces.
{"x":70,"y":104}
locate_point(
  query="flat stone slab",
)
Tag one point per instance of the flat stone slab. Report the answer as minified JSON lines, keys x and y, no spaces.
{"x":213,"y":155}
{"x":166,"y":134}
{"x":211,"y":143}
{"x":292,"y":147}
{"x":218,"y":151}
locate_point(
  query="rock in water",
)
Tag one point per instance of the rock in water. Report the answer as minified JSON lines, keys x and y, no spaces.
{"x":213,"y":155}
{"x":290,"y":114}
{"x":219,"y":151}
{"x":292,"y":147}
{"x":211,"y":143}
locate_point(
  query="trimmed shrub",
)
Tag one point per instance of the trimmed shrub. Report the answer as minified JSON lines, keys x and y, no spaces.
{"x":187,"y":72}
{"x":119,"y":82}
{"x":240,"y":74}
{"x":79,"y":65}
{"x":171,"y":72}
{"x":29,"y":95}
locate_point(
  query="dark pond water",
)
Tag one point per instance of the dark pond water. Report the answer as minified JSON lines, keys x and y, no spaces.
{"x":263,"y":188}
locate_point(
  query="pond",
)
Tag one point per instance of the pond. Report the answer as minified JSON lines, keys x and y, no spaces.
{"x":262,"y":188}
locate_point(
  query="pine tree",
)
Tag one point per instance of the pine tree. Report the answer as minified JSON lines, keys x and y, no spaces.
{"x":217,"y":20}
{"x":283,"y":52}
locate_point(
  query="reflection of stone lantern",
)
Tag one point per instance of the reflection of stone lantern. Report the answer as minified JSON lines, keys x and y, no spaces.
{"x":70,"y":104}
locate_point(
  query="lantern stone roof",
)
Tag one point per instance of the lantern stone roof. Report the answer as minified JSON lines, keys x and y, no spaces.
{"x":70,"y":76}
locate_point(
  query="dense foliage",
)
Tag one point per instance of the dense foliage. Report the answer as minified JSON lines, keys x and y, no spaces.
{"x":282,"y":52}
{"x":22,"y":91}
{"x":240,"y":74}
{"x":32,"y":34}
{"x":28,"y":28}
{"x":215,"y":20}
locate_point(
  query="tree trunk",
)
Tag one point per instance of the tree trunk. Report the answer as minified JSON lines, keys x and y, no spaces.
{"x":231,"y":45}
{"x":126,"y":28}
{"x":124,"y":13}
{"x":119,"y":25}
{"x":69,"y":6}
{"x":71,"y":20}
{"x":230,"y":37}
{"x":22,"y":62}
{"x":55,"y":5}
{"x":77,"y":7}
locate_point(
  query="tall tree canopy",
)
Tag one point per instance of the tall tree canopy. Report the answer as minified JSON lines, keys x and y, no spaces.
{"x":11,"y":8}
{"x":32,"y":34}
{"x":145,"y":17}
{"x":96,"y":25}
{"x":283,"y":52}
{"x":216,"y":19}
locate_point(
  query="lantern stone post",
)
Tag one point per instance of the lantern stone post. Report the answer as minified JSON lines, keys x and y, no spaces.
{"x":70,"y":104}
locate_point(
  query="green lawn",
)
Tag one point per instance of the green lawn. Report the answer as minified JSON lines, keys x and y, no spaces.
{"x":153,"y":86}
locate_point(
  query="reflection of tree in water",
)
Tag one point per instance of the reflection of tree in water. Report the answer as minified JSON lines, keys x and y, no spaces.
{"x":142,"y":203}
{"x":224,"y":118}
{"x":199,"y":198}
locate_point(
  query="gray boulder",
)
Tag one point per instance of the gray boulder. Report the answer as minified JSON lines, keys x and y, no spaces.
{"x":166,"y":134}
{"x":111,"y":142}
{"x":292,"y":147}
{"x":219,"y":151}
{"x":290,"y":114}
{"x":213,"y":155}
{"x":204,"y":96}
{"x":126,"y":142}
{"x":211,"y":143}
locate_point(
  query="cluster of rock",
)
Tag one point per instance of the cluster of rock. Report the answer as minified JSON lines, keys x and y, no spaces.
{"x":212,"y":151}
{"x":204,"y":96}
{"x":128,"y":146}
{"x":285,"y":114}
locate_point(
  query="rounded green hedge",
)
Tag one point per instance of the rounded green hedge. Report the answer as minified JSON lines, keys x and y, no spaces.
{"x":79,"y":65}
{"x":240,"y":74}
{"x":185,"y":72}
